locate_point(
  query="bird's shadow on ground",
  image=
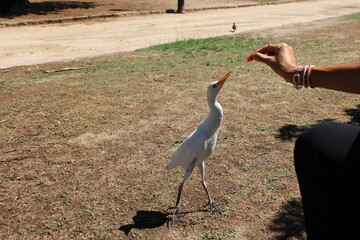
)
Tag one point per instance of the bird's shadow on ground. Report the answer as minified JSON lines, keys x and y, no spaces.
{"x":151,"y":219}
{"x":289,"y":221}
{"x":146,"y":219}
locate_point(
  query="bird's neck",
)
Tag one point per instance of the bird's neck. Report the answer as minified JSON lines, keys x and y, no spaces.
{"x":216,"y":111}
{"x":212,"y":122}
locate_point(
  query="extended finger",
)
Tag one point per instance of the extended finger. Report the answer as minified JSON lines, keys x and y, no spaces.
{"x":269,"y":49}
{"x":269,"y":60}
{"x":265,"y":50}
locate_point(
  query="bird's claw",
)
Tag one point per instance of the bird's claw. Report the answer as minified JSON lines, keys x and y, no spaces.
{"x":175,"y":212}
{"x":213,"y":208}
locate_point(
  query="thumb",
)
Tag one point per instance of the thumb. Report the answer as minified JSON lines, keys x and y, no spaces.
{"x":269,"y":60}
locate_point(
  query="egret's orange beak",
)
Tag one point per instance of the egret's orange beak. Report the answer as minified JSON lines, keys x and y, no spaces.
{"x":222,"y":80}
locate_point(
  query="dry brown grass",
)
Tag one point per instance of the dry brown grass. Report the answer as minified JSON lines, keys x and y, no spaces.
{"x":82,"y":151}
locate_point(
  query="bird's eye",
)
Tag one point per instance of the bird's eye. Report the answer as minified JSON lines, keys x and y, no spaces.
{"x":214,"y":86}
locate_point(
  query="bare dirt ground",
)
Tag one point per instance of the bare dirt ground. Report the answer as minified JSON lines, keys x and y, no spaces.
{"x":83,"y":152}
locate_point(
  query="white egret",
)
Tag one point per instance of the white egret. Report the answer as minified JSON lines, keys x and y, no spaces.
{"x":199,"y":145}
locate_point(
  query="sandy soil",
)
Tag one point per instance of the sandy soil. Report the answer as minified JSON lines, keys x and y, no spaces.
{"x":63,"y":42}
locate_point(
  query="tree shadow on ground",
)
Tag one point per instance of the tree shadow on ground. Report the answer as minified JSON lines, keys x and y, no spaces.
{"x":44,"y":8}
{"x":354,"y":113}
{"x":289,"y":222}
{"x":289,"y":132}
{"x":119,"y":10}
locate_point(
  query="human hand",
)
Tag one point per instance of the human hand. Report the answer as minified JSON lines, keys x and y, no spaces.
{"x":280,"y":57}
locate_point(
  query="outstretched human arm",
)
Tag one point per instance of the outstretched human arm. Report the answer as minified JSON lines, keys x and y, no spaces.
{"x":280,"y":57}
{"x":344,"y":77}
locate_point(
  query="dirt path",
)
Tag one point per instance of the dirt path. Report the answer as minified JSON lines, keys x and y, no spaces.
{"x":63,"y":42}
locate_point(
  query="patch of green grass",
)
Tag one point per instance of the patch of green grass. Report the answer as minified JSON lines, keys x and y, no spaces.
{"x":225,"y":53}
{"x":200,"y":47}
{"x":354,"y":16}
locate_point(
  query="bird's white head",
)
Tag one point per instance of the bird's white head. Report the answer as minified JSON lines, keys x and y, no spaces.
{"x":215,"y":87}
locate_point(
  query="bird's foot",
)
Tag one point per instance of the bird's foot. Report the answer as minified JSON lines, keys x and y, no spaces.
{"x":174,"y":211}
{"x":212,"y":207}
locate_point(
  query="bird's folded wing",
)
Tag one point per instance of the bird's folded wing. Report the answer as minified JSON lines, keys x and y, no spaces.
{"x":193,"y":147}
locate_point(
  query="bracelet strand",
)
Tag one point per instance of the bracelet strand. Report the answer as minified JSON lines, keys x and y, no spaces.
{"x":308,"y":79}
{"x":297,"y":78}
{"x":304,"y":76}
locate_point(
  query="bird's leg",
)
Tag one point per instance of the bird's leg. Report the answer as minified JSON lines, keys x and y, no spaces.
{"x":186,"y":176}
{"x":179,"y":193}
{"x":178,"y":198}
{"x":213,"y":207}
{"x":175,"y":210}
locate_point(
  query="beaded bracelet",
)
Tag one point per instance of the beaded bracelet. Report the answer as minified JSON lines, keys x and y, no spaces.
{"x":308,"y":80}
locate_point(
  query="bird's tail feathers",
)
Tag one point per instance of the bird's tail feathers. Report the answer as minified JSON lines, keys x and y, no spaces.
{"x":169,"y":166}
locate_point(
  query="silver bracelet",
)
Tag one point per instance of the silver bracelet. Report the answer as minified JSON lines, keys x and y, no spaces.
{"x":297,"y":78}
